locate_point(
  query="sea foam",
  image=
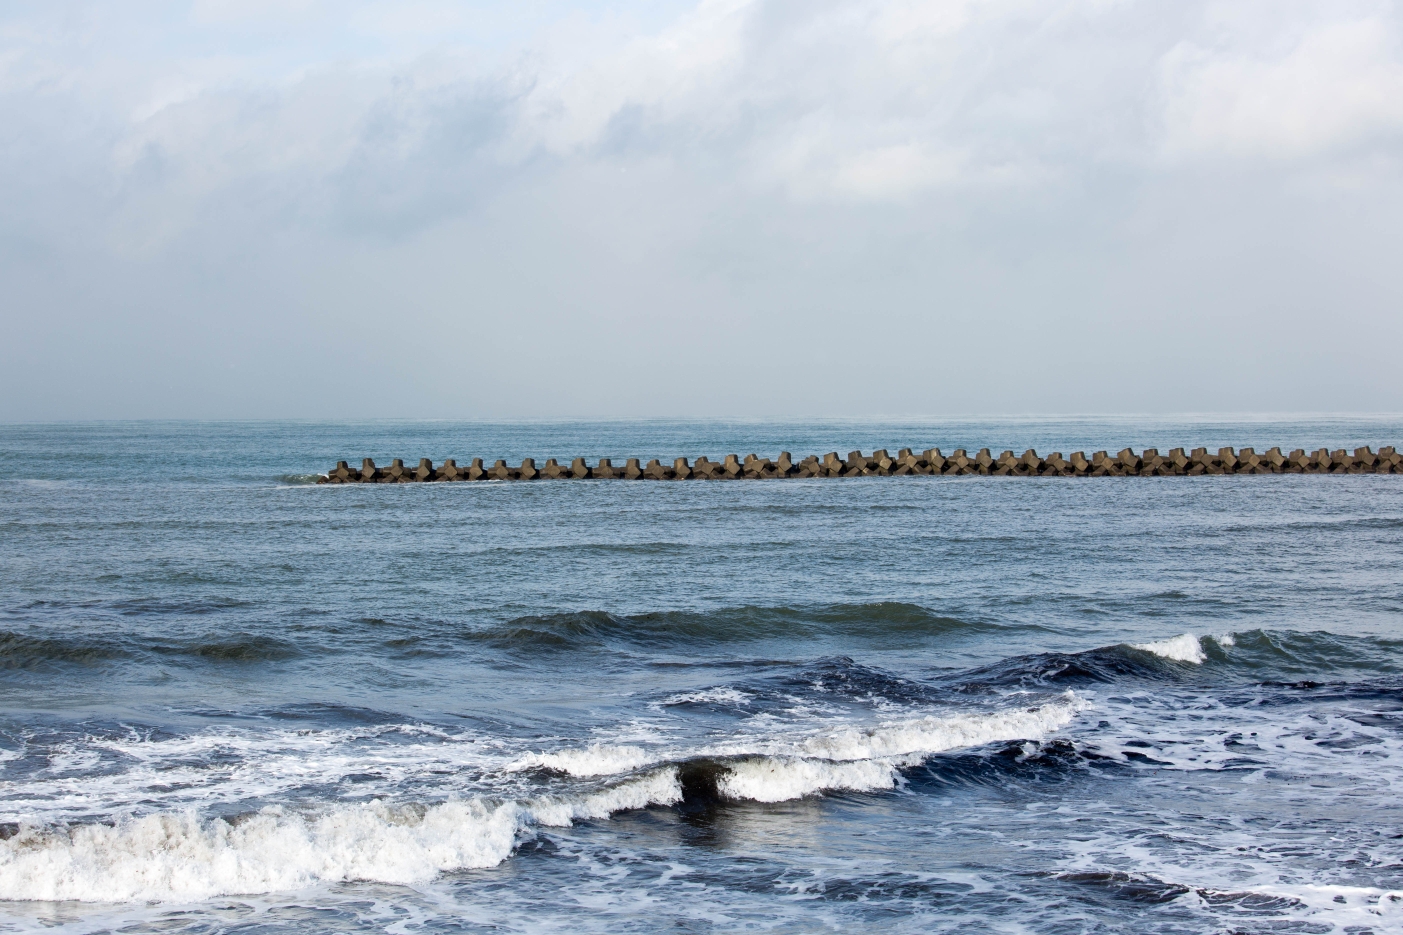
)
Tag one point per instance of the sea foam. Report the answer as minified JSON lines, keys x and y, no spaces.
{"x":1183,"y":648}
{"x":847,"y":756}
{"x":591,"y":761}
{"x":922,"y":736}
{"x":782,"y":778}
{"x":176,"y":856}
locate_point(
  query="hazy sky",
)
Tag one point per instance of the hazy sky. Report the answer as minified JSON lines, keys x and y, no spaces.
{"x":264,"y":208}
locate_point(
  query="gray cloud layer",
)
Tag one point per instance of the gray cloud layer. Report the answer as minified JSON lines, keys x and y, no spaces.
{"x":736,"y":208}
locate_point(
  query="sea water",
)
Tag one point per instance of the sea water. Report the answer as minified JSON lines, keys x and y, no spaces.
{"x":232,"y":700}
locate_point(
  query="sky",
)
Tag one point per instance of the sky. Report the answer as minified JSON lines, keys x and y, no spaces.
{"x":732,"y":208}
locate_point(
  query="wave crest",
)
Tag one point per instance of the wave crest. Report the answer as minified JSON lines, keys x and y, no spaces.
{"x":780,"y":779}
{"x":176,"y":856}
{"x":1183,"y":648}
{"x":883,"y":621}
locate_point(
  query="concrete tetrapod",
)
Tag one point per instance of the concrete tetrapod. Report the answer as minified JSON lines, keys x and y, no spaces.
{"x":1125,"y":463}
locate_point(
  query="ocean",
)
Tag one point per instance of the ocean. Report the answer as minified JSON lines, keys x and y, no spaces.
{"x":232,"y":700}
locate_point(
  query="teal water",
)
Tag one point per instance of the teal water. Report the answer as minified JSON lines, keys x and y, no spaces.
{"x":234,"y":700}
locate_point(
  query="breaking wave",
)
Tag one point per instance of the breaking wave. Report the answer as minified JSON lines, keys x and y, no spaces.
{"x":832,"y":744}
{"x":1185,"y":648}
{"x":179,"y":856}
{"x":894,"y":743}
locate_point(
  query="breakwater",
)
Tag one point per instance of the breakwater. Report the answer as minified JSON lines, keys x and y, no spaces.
{"x":1126,"y":463}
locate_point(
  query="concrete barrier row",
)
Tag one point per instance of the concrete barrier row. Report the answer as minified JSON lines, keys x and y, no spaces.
{"x":1148,"y":463}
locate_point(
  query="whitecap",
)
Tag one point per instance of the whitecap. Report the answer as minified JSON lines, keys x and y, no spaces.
{"x":721,"y":695}
{"x":588,"y":762}
{"x":937,"y":733}
{"x":780,"y":779}
{"x":867,"y":759}
{"x":1184,"y":648}
{"x":658,"y":787}
{"x":177,"y":856}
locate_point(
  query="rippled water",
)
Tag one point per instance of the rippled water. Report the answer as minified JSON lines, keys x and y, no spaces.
{"x":232,"y":700}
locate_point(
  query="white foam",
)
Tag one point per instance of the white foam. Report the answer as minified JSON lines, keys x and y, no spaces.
{"x":930,"y":734}
{"x":175,"y":856}
{"x":849,"y":757}
{"x":869,"y":758}
{"x":170,"y":853}
{"x":1201,"y":735}
{"x":594,"y":760}
{"x":907,"y":739}
{"x":721,"y":695}
{"x":1184,"y":648}
{"x":780,"y":779}
{"x":172,"y":774}
{"x":659,"y":787}
{"x":1363,"y":906}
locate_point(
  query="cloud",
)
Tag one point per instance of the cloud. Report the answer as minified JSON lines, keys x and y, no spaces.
{"x":845,"y":101}
{"x":721,"y":187}
{"x":1337,"y":84}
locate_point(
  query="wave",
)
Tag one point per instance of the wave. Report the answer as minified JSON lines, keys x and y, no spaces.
{"x":782,"y":778}
{"x":26,"y":651}
{"x":1185,"y":648}
{"x":1051,"y":760}
{"x":804,"y":761}
{"x":1106,"y":665}
{"x":598,"y":629}
{"x":167,"y":856}
{"x":21,"y":651}
{"x":1255,"y":654}
{"x":178,"y":856}
{"x":1309,"y":653}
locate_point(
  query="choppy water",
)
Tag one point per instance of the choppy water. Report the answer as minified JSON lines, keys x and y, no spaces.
{"x":230,"y":700}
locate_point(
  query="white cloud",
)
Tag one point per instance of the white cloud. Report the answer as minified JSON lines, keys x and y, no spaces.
{"x":685,"y":73}
{"x":718,"y":186}
{"x":1337,"y":84}
{"x":846,"y":100}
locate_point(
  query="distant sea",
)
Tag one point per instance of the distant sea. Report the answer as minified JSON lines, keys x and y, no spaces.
{"x":234,"y":701}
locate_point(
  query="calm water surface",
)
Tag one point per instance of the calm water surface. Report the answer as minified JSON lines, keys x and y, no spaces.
{"x":234,"y":701}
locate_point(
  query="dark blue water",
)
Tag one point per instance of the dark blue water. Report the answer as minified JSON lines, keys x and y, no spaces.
{"x":231,"y":700}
